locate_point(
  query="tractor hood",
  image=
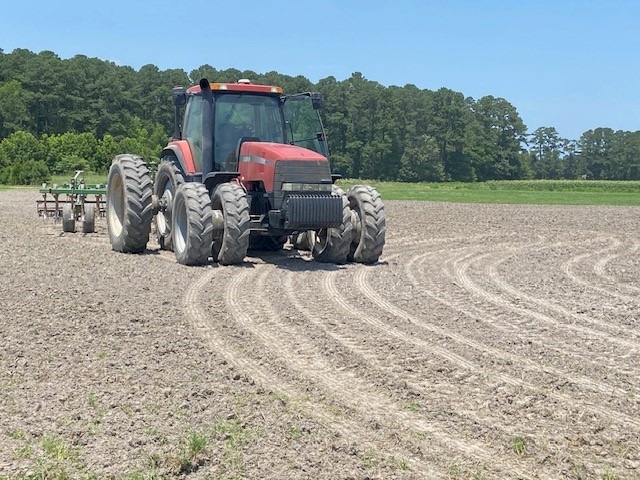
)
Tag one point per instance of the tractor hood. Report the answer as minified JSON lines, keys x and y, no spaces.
{"x":258,"y":163}
{"x":279,"y":151}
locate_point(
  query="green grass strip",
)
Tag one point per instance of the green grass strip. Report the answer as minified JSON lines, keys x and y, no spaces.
{"x":543,"y":192}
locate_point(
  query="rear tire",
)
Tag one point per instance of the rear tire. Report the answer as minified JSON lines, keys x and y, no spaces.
{"x":68,"y":218}
{"x":331,"y":245}
{"x":371,"y":224}
{"x":129,"y":209}
{"x":167,"y":180}
{"x":192,"y":229}
{"x":230,"y":245}
{"x":89,"y":224}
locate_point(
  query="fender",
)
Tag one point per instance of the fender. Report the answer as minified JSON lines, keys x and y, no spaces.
{"x":181,"y":150}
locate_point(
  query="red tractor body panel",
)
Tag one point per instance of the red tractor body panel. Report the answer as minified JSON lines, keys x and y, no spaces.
{"x":257,"y":162}
{"x":183,"y":147}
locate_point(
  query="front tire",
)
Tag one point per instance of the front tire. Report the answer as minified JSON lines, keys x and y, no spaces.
{"x":167,"y":180}
{"x":331,"y":245}
{"x":129,"y":209}
{"x":192,"y":229}
{"x":230,"y":244}
{"x":370,"y":222}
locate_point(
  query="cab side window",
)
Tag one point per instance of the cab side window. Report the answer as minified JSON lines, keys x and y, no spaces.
{"x":193,"y":129}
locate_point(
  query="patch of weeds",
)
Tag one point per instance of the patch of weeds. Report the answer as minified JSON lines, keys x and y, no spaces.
{"x":279,"y":396}
{"x":234,"y":436}
{"x":414,"y":406}
{"x":16,"y":434}
{"x":96,"y":420}
{"x":56,"y":448}
{"x":150,"y":475}
{"x":519,"y":445}
{"x":610,"y":475}
{"x":188,"y":458}
{"x":102,"y":355}
{"x":454,"y":471}
{"x":401,"y":463}
{"x":23,"y":451}
{"x":369,"y":458}
{"x":240,"y":401}
{"x":54,"y":458}
{"x":91,"y":400}
{"x":293,"y":433}
{"x":180,"y":413}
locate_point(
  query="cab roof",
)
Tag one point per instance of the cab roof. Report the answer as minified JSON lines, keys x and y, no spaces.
{"x":240,"y":86}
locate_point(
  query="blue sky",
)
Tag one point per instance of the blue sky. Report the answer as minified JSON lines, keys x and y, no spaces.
{"x":573,"y":65}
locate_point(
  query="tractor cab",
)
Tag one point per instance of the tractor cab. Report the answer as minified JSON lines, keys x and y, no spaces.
{"x":216,"y":124}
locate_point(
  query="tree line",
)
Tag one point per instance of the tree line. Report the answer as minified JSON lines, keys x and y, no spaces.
{"x":57,"y":115}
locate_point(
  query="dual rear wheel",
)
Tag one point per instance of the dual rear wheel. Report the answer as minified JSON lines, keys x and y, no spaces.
{"x":191,"y":223}
{"x":198,"y":226}
{"x":361,"y":237}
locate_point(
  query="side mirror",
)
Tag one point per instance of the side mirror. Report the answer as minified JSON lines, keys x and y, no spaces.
{"x":316,"y":100}
{"x":179,"y":96}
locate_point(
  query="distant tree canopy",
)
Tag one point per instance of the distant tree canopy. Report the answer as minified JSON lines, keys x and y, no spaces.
{"x":60,"y":114}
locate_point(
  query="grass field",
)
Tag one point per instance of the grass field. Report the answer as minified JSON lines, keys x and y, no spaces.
{"x":534,"y":192}
{"x":89,"y":177}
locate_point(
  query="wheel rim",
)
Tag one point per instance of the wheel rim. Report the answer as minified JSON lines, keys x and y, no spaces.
{"x":116,"y":205}
{"x":218,"y":235}
{"x":318,"y":240}
{"x":163,"y":219}
{"x":180,"y":227}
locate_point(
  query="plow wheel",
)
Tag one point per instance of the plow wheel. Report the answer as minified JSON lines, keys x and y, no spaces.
{"x":129,"y":209}
{"x":370,"y":224}
{"x":331,"y":245}
{"x":68,"y":218}
{"x":231,"y":232}
{"x":168,"y":179}
{"x":89,"y":224}
{"x":191,"y":224}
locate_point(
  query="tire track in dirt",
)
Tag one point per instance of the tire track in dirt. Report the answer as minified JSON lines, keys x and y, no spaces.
{"x":361,"y":283}
{"x":460,"y":273}
{"x":302,"y":356}
{"x":347,"y":428}
{"x":600,"y":268}
{"x":497,"y":279}
{"x":531,"y":365}
{"x":568,"y":269}
{"x":519,"y":328}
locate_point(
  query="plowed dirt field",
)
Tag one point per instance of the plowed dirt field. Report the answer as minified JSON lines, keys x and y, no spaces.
{"x":490,"y":342}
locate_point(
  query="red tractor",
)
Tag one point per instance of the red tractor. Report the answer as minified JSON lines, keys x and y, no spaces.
{"x":247,"y":168}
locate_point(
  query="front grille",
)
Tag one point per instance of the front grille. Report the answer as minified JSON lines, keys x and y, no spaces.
{"x":295,"y":171}
{"x":312,"y":211}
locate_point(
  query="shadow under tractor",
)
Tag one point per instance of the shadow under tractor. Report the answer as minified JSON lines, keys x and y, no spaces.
{"x":247,"y":168}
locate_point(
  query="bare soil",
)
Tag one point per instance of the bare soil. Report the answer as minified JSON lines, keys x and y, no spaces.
{"x":490,"y":341}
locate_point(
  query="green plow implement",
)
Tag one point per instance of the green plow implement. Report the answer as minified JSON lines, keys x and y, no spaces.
{"x":73,"y":202}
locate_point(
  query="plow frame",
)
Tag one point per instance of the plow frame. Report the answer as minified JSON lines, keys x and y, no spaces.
{"x":76,"y":193}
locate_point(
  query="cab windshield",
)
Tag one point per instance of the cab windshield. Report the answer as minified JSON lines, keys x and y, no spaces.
{"x":304,"y":127}
{"x":238,"y":116}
